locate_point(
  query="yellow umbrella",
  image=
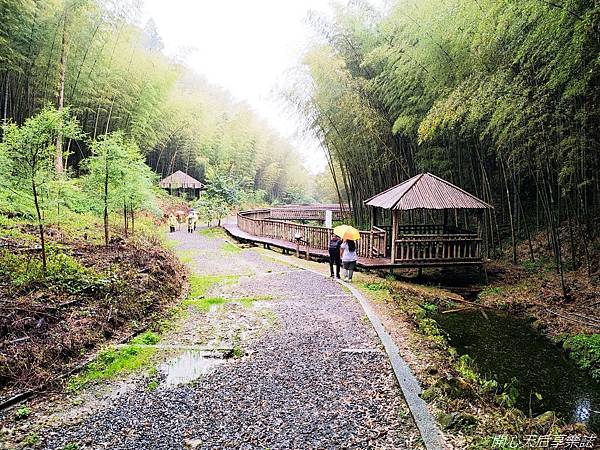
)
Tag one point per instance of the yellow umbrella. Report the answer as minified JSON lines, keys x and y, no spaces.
{"x":347,"y":232}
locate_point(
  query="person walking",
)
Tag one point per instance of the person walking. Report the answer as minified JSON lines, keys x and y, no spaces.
{"x":349,"y":257}
{"x":334,"y":255}
{"x":172,"y":222}
{"x":190,"y":222}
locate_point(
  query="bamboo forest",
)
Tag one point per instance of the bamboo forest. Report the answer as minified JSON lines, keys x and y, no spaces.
{"x":274,"y":224}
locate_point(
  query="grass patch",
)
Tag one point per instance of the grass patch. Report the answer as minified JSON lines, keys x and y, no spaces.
{"x":230,"y":248}
{"x":200,"y":284}
{"x":249,"y":301}
{"x":111,"y":361}
{"x":185,"y":256}
{"x":490,"y":291}
{"x":212,"y":232}
{"x":147,"y":338}
{"x":539,"y":265}
{"x":31,"y":440}
{"x":170,"y":244}
{"x":203,"y":303}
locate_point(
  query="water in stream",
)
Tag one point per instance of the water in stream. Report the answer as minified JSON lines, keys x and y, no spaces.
{"x":505,"y":347}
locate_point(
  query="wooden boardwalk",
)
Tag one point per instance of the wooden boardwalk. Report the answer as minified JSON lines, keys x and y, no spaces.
{"x":322,"y":255}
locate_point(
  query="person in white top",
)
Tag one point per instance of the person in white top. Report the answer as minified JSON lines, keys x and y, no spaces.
{"x":349,"y":258}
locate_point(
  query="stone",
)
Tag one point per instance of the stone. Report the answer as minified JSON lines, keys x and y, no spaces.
{"x":456,"y":420}
{"x":192,"y":444}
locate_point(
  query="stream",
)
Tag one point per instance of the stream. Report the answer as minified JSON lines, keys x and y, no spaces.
{"x":506,"y":347}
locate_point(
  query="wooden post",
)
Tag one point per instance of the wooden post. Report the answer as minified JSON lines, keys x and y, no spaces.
{"x":394,"y":233}
{"x":371,"y":234}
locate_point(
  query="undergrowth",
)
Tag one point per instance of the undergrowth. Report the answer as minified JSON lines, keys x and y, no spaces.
{"x":585,"y":350}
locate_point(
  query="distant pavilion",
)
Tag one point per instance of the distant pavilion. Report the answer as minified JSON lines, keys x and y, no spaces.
{"x":181,"y":183}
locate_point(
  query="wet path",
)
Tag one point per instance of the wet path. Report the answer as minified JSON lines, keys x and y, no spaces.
{"x":312,"y":374}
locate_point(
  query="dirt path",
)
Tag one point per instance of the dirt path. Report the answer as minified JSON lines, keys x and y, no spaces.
{"x":308,"y":373}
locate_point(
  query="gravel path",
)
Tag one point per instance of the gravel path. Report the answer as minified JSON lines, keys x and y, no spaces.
{"x":316,"y":379}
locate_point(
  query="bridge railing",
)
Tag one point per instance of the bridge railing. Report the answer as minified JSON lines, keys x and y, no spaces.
{"x":371,"y":243}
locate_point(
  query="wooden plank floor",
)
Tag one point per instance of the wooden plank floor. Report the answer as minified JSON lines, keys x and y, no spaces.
{"x":367,"y":263}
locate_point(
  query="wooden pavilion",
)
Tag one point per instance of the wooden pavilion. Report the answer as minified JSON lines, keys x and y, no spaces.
{"x":428,"y":199}
{"x":181,"y":182}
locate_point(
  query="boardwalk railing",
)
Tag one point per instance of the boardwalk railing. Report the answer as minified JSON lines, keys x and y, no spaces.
{"x":257,"y":223}
{"x":438,"y":248}
{"x":415,"y":245}
{"x":308,"y":212}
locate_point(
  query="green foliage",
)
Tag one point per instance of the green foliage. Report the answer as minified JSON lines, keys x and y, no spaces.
{"x":539,"y":265}
{"x":212,"y":232}
{"x":29,"y":152}
{"x":374,"y":286}
{"x":230,"y":248}
{"x":63,"y":272}
{"x":147,"y":338}
{"x":585,"y":350}
{"x":71,"y":446}
{"x":31,"y":439}
{"x":509,"y":395}
{"x":429,"y":307}
{"x":204,"y":303}
{"x":23,"y":412}
{"x":200,"y":284}
{"x":490,"y":291}
{"x":111,"y":362}
{"x":152,"y":386}
{"x":494,"y":95}
{"x":117,"y":176}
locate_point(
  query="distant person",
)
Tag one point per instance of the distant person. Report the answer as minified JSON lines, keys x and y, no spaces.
{"x":349,"y":258}
{"x":172,"y":222}
{"x":334,"y":255}
{"x":190,"y":222}
{"x":195,"y":219}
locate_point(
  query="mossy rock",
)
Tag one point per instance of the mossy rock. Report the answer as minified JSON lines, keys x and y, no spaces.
{"x":538,"y":325}
{"x":455,"y":387}
{"x":456,"y":420}
{"x":544,"y":422}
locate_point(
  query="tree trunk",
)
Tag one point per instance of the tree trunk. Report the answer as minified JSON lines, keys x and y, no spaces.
{"x":106,"y":203}
{"x":58,"y":160}
{"x":132,"y":212}
{"x":125,"y":220}
{"x":40,"y":224}
{"x":510,"y":214}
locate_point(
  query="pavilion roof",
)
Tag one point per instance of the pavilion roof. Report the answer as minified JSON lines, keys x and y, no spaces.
{"x":426,"y":191}
{"x":180,"y":180}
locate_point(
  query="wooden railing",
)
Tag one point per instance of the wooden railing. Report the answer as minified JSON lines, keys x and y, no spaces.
{"x":415,"y":244}
{"x":307,"y":213}
{"x":430,"y":229}
{"x":371,"y":243}
{"x":437,"y":248}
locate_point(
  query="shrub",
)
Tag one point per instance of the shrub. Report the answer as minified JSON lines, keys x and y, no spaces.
{"x":585,"y":350}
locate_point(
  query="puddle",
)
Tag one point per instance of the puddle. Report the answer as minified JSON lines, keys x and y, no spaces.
{"x":506,"y":347}
{"x":188,"y":367}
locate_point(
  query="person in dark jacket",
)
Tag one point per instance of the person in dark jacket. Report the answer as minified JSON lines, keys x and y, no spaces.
{"x":334,"y":255}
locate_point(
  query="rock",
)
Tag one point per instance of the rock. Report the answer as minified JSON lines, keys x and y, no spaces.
{"x":539,"y":325}
{"x":192,"y":444}
{"x":544,"y":421}
{"x":429,"y":393}
{"x":456,"y":420}
{"x":432,"y":370}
